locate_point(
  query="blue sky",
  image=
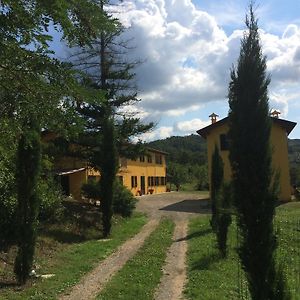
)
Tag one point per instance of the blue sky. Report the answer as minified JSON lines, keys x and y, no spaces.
{"x":189,"y":47}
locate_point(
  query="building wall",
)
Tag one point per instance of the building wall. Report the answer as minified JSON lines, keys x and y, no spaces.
{"x":75,"y":182}
{"x":280,"y":161}
{"x":128,"y":169}
{"x":138,"y":169}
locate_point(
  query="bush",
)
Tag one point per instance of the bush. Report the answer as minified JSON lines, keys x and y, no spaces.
{"x":91,"y":190}
{"x":51,"y":198}
{"x":123,"y":200}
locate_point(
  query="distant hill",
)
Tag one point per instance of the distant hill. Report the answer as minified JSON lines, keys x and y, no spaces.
{"x":184,"y":150}
{"x":191,"y":149}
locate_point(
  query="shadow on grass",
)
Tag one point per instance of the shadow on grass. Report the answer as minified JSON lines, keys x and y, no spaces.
{"x":205,"y":262}
{"x":64,"y":237}
{"x":9,"y":284}
{"x":195,"y":235}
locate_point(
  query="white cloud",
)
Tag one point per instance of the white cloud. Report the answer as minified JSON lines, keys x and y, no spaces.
{"x":188,"y":127}
{"x":188,"y":57}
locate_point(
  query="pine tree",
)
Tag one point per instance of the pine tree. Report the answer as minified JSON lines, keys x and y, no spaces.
{"x":106,"y":71}
{"x":250,"y":156}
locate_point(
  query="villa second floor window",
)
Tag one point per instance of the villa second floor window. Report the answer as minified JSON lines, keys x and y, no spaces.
{"x":149,"y":159}
{"x":158,"y":159}
{"x":142,"y":158}
{"x":224,"y":145}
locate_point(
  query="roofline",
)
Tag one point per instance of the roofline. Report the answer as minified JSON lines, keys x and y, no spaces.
{"x":287,"y":125}
{"x":156,"y":150}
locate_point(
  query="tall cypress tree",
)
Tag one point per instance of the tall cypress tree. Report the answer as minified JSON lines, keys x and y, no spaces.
{"x":250,"y":156}
{"x":217,"y":174}
{"x":28,"y":167}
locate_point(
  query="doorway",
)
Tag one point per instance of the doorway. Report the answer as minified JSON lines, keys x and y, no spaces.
{"x":143,"y":189}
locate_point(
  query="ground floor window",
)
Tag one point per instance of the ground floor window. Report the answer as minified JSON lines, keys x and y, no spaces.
{"x":156,"y":180}
{"x":133,"y":181}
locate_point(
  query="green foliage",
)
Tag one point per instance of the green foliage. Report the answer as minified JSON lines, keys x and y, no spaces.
{"x":28,"y":169}
{"x":91,"y":190}
{"x":51,"y":198}
{"x":250,"y":156}
{"x":184,"y":150}
{"x":177,"y":174}
{"x":123,"y":202}
{"x":201,"y":173}
{"x":216,"y":183}
{"x":72,"y":260}
{"x":223,"y":217}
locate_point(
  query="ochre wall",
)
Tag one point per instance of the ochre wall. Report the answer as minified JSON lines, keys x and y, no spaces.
{"x":279,"y":156}
{"x":146,"y":169}
{"x":75,"y":182}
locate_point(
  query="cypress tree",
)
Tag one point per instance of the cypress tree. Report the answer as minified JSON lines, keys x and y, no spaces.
{"x":28,"y":168}
{"x":216,"y":185}
{"x":250,"y":156}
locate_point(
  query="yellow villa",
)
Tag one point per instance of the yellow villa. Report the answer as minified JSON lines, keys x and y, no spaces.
{"x":216,"y":134}
{"x":144,"y":175}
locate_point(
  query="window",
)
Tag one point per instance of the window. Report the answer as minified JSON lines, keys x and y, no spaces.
{"x":158,"y":159}
{"x":142,"y":158}
{"x":156,"y":181}
{"x":150,"y":159}
{"x":133,"y":181}
{"x":224,"y":145}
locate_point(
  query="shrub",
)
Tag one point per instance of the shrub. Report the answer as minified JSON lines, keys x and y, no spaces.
{"x":51,"y":198}
{"x":123,"y":202}
{"x":91,"y":190}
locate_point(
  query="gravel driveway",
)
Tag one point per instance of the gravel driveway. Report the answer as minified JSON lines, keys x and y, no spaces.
{"x":180,"y":207}
{"x":177,"y":205}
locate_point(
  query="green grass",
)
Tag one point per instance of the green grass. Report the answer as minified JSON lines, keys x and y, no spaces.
{"x":210,"y":277}
{"x":72,"y":261}
{"x":140,"y":275}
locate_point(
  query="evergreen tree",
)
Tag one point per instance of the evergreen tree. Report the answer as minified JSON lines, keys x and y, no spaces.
{"x":216,"y":182}
{"x":108,"y":127}
{"x":33,"y":87}
{"x":28,"y":167}
{"x":250,"y":156}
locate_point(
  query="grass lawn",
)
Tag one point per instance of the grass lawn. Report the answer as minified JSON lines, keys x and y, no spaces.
{"x":68,"y":253}
{"x":140,"y":275}
{"x":211,"y":277}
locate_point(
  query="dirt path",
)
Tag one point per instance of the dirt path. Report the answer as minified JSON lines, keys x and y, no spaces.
{"x":173,"y":280}
{"x":180,"y":207}
{"x":94,"y":282}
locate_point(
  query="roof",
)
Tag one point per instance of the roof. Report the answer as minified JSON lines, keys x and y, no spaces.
{"x":158,"y":151}
{"x":285,"y":124}
{"x":68,"y":172}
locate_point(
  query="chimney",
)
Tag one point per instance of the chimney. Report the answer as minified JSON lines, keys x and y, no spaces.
{"x":213,"y":118}
{"x":275,"y":113}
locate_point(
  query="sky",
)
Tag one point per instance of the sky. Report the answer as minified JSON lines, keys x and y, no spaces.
{"x":188,"y":48}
